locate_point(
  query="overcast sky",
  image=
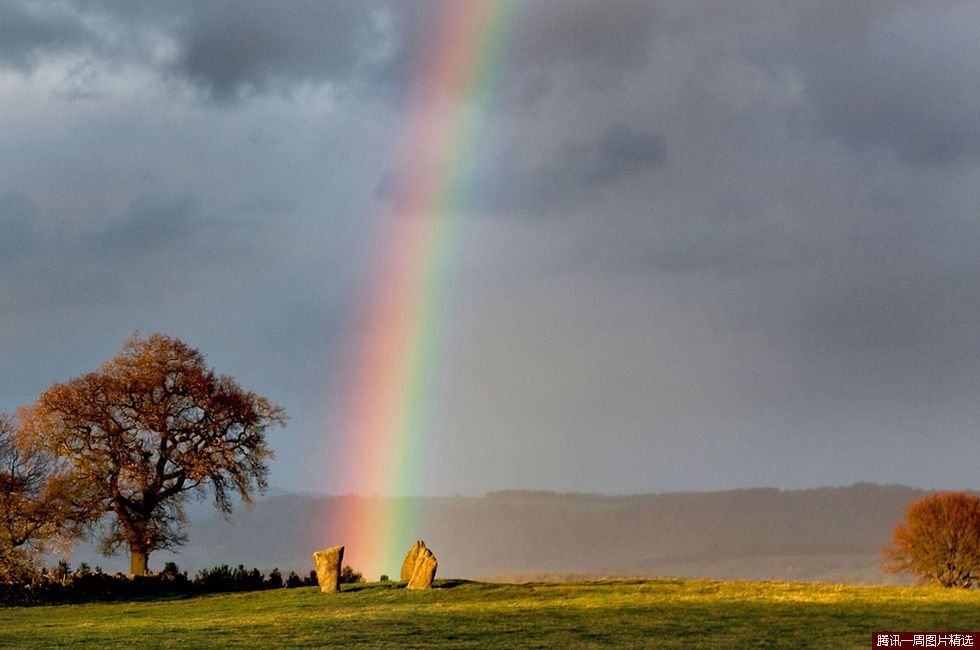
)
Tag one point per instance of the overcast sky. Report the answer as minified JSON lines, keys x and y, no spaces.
{"x":708,"y":244}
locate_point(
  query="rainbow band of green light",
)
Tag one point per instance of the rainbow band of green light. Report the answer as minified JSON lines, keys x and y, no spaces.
{"x":402,"y":335}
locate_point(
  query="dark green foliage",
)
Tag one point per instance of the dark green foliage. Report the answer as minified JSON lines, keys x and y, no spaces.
{"x":293,"y":580}
{"x":349,"y":576}
{"x":274,"y":580}
{"x":170,"y":569}
{"x":218,"y":578}
{"x":62,"y":585}
{"x":223,"y":578}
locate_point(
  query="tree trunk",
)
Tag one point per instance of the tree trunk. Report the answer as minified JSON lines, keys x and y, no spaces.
{"x":137,"y":561}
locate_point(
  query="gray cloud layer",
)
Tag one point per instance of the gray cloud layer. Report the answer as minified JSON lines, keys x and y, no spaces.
{"x":706,"y":244}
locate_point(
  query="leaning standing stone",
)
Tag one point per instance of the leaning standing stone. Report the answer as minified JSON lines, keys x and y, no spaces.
{"x":327,"y":564}
{"x":425,"y":570}
{"x":408,"y":566}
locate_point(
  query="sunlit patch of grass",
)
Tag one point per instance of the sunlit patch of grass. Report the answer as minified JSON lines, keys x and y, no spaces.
{"x":460,"y":614}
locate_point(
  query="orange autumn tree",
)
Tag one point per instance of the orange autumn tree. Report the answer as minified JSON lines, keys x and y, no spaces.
{"x":37,"y":506}
{"x":938,"y":541}
{"x":148,"y":429}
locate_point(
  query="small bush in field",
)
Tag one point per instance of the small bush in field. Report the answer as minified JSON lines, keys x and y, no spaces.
{"x":275,"y":579}
{"x":349,"y":576}
{"x":938,"y":541}
{"x":293,"y":580}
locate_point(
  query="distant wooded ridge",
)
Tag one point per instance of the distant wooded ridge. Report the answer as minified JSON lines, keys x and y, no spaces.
{"x":825,"y":534}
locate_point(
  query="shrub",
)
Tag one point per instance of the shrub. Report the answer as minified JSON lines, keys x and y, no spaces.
{"x":938,"y":541}
{"x":218,"y":578}
{"x":275,"y":579}
{"x":62,"y":585}
{"x":170,"y":570}
{"x":349,"y":576}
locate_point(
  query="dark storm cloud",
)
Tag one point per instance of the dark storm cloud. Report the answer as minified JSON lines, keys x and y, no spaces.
{"x":902,"y":77}
{"x":894,"y":75}
{"x":30,"y":31}
{"x":616,"y":152}
{"x":558,"y":33}
{"x":764,"y":270}
{"x":897,"y":75}
{"x":233,"y":49}
{"x":853,"y":268}
{"x":229,"y":50}
{"x":574,"y":175}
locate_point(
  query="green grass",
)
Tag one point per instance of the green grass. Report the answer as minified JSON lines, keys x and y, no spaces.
{"x":459,"y":614}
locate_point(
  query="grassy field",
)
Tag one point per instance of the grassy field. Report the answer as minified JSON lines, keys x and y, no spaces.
{"x":459,"y":614}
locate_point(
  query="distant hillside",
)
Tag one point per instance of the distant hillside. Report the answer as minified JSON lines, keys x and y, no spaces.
{"x":831,"y":534}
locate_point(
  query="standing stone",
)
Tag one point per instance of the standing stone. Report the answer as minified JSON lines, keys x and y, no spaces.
{"x":425,"y":570}
{"x":327,"y":564}
{"x":408,"y":566}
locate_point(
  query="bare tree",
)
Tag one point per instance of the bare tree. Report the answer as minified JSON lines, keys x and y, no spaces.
{"x":938,"y":541}
{"x":146,"y":430}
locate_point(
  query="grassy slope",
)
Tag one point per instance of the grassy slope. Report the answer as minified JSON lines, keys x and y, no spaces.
{"x":653,"y":613}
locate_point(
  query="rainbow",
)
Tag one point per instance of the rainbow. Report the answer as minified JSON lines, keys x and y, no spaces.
{"x":391,"y":379}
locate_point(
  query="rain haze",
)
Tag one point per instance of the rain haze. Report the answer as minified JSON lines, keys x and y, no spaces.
{"x":706,"y":245}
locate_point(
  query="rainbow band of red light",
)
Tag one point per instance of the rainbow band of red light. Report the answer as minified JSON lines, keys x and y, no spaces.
{"x":400,"y":340}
